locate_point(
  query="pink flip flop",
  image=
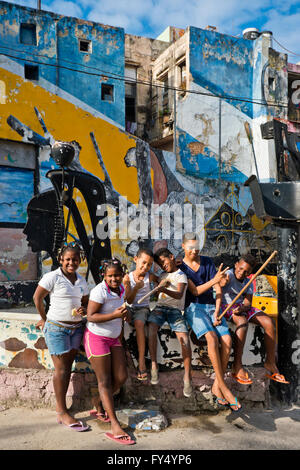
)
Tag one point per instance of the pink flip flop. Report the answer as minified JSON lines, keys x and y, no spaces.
{"x":79,"y":426}
{"x":101,"y":416}
{"x":123,"y":439}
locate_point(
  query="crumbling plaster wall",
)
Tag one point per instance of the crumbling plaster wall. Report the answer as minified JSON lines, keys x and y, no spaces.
{"x":140,"y":52}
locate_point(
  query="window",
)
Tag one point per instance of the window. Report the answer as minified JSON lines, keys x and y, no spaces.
{"x":28,"y":34}
{"x":181,"y":77}
{"x":31,"y":72}
{"x":130,"y":98}
{"x":85,"y":45}
{"x":107,"y":92}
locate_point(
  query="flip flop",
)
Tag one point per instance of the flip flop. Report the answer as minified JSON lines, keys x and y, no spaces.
{"x":242,"y":380}
{"x":277,"y":378}
{"x":142,"y":375}
{"x":101,"y":416}
{"x":123,"y":439}
{"x":79,"y":426}
{"x":221,"y":401}
{"x":235,"y":404}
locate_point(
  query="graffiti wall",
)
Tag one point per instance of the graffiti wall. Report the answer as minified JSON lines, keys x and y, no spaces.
{"x":202,"y":182}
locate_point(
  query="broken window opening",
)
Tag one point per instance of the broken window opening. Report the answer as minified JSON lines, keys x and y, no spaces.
{"x":85,"y":46}
{"x":107,"y":92}
{"x":28,"y":34}
{"x":31,"y":72}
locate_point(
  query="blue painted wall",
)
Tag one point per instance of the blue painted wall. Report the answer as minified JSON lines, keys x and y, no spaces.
{"x":58,"y":45}
{"x":222,"y":64}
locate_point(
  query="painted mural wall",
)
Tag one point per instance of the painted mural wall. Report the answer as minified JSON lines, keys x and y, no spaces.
{"x":133,"y":176}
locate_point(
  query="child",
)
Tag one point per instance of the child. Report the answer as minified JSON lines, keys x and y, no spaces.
{"x":106,"y":310}
{"x":201,"y":313}
{"x":63,"y":330}
{"x":137,"y":284}
{"x":241,"y":313}
{"x":169,"y":309}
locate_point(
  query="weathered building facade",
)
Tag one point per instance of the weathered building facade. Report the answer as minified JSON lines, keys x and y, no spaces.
{"x":154,"y":122}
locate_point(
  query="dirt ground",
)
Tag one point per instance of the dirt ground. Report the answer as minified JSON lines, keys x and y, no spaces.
{"x":37,"y":429}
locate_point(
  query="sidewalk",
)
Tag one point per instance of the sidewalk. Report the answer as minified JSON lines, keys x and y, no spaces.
{"x":36,"y":429}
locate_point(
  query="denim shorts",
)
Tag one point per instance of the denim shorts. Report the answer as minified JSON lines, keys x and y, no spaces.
{"x":139,"y":313}
{"x":200,"y":317}
{"x":61,"y":340}
{"x":173,"y":316}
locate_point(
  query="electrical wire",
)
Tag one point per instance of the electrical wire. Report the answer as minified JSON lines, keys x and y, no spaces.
{"x":114,"y":76}
{"x":290,"y":52}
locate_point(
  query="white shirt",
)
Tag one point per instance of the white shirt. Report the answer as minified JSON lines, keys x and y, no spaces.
{"x":64,"y":296}
{"x":175,"y":278}
{"x":109,"y":301}
{"x":141,"y":292}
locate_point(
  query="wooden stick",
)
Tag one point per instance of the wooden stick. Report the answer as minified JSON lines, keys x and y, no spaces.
{"x":248,"y":284}
{"x":162,"y":284}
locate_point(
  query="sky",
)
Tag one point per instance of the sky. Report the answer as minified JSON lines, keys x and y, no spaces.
{"x":150,"y":17}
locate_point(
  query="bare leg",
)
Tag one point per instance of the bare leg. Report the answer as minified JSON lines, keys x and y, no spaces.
{"x":61,"y":379}
{"x":152,"y":343}
{"x":226,"y":344}
{"x":265,"y":322}
{"x":103,"y":370}
{"x":219,"y":388}
{"x":141,"y":343}
{"x":239,"y":342}
{"x":183,"y":339}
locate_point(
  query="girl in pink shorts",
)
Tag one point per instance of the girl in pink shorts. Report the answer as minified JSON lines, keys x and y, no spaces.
{"x":105,"y":312}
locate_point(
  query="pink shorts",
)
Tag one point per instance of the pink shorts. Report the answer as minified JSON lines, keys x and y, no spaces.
{"x":97,"y":346}
{"x":249,"y":314}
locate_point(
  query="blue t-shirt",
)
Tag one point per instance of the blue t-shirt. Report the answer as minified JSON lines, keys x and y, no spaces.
{"x":205,"y":273}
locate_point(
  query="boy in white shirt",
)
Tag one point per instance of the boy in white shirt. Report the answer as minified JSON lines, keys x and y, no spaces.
{"x":137,"y":285}
{"x":169,"y":309}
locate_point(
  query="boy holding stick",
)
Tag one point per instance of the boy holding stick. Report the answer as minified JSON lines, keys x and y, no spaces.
{"x":241,"y":312}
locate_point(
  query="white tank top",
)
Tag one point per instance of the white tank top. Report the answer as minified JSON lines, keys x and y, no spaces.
{"x":141,"y":292}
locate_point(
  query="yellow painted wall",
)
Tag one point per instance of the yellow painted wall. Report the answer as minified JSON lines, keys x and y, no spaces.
{"x":66,"y":121}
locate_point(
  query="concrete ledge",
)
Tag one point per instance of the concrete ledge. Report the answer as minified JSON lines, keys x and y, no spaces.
{"x":34,"y":388}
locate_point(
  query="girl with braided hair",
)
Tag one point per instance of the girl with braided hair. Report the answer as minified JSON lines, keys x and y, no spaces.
{"x":105,"y":314}
{"x":62,"y":325}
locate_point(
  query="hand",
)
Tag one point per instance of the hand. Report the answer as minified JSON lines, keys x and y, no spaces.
{"x":81,"y":311}
{"x":139,"y":284}
{"x":120,"y":312}
{"x":220,"y":275}
{"x":217,"y":322}
{"x":40,"y":325}
{"x":161,"y":286}
{"x":224,"y":281}
{"x":238,"y":310}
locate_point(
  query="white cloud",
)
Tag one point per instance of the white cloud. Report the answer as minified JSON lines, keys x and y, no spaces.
{"x":151,"y":17}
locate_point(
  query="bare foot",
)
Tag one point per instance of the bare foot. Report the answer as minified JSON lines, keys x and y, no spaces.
{"x":271,"y":367}
{"x":218,"y":394}
{"x":232,"y":400}
{"x":117,"y":430}
{"x":64,"y":418}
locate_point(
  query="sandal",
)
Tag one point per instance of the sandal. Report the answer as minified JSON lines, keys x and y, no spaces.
{"x":277,"y":378}
{"x":242,"y":380}
{"x":142,"y":375}
{"x":235,"y":404}
{"x":101,"y":416}
{"x":123,"y":439}
{"x":221,"y":401}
